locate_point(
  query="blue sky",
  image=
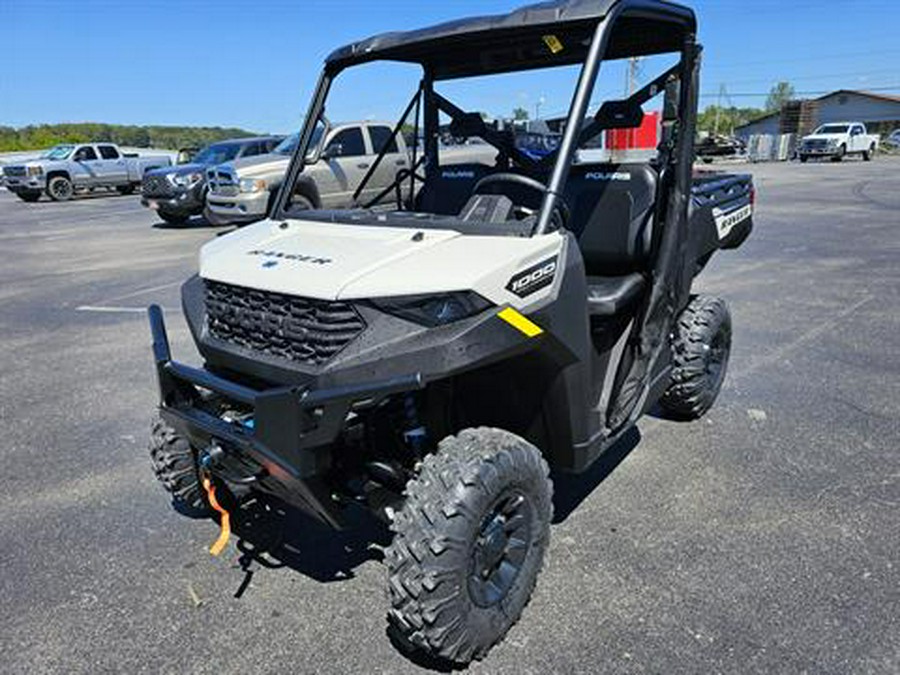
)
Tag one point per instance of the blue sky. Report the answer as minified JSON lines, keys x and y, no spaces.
{"x":254,"y":64}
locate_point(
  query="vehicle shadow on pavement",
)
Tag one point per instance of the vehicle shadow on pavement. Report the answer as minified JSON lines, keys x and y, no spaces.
{"x":569,"y":490}
{"x":273,"y":535}
{"x":190,"y":224}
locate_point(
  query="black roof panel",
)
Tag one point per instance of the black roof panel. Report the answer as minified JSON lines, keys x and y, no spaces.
{"x":522,"y":39}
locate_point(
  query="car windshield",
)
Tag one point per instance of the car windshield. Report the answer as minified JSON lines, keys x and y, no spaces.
{"x":218,"y":153}
{"x":59,"y":152}
{"x":289,"y":144}
{"x":832,"y":129}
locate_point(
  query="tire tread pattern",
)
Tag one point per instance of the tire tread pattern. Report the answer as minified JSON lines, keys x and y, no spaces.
{"x":427,"y":560}
{"x":691,"y":393}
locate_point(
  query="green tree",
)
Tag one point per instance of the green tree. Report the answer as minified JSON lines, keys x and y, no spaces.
{"x":780,"y":94}
{"x":728,"y":118}
{"x":520,"y":114}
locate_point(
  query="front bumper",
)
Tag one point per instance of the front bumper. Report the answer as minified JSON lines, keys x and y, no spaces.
{"x":285,"y":449}
{"x":187,"y":203}
{"x":244,"y":207}
{"x":24,"y":184}
{"x":818,"y":151}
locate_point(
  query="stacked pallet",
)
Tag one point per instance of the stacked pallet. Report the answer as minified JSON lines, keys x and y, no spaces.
{"x":799,"y":117}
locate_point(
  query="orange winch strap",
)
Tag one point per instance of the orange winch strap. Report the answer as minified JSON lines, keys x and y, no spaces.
{"x":224,"y":520}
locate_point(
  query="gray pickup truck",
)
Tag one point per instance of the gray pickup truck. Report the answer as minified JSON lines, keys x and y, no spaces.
{"x":68,"y":168}
{"x":243,"y":190}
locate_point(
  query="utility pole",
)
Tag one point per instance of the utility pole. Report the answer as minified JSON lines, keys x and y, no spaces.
{"x":631,"y":75}
{"x":537,"y":107}
{"x":722,"y":95}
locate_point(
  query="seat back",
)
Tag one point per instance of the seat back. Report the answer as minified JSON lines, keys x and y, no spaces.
{"x":611,"y":213}
{"x":447,"y":193}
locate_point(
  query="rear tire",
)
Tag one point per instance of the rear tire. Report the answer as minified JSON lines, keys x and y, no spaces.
{"x":126,"y":189}
{"x":60,"y":189}
{"x":804,"y":159}
{"x":869,"y":155}
{"x":30,"y":197}
{"x":701,"y":349}
{"x":175,"y":465}
{"x":469,"y":544}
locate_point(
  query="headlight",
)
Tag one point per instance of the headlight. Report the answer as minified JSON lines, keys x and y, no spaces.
{"x":35,"y":171}
{"x":434,"y":310}
{"x":253,"y":185}
{"x":186,"y":180}
{"x":832,"y":143}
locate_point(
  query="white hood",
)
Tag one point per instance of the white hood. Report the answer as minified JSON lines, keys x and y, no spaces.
{"x":825,"y":137}
{"x":331,"y":261}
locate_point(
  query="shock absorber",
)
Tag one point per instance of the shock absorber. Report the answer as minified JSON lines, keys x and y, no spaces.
{"x":415,"y":436}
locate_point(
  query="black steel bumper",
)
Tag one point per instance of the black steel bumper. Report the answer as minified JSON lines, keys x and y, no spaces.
{"x":286,"y":448}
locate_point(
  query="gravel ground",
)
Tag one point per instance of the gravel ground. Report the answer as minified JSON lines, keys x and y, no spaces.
{"x":763,"y":538}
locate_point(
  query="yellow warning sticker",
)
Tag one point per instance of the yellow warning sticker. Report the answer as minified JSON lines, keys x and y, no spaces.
{"x":553,"y":44}
{"x":523,"y":323}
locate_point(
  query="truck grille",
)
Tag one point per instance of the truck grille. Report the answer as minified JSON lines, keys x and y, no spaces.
{"x":14,"y":171}
{"x":223,"y":183}
{"x":157,"y":186}
{"x":816,"y":144}
{"x":302,"y":330}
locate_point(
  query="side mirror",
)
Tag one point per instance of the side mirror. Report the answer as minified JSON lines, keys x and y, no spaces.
{"x":332,"y":151}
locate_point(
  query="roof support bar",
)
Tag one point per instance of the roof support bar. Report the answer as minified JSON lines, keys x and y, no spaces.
{"x":577,"y":112}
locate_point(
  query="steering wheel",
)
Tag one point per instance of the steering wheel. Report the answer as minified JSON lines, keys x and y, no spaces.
{"x":560,"y":212}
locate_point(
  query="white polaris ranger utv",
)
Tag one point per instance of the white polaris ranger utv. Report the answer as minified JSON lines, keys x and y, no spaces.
{"x":434,"y":360}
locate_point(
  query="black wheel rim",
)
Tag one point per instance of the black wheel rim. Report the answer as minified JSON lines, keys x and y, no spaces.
{"x":500,"y":549}
{"x":61,"y":189}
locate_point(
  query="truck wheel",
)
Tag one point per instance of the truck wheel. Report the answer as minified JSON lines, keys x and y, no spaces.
{"x":60,"y":189}
{"x":175,"y":465}
{"x":29,"y":196}
{"x":842,"y":151}
{"x":700,"y":358}
{"x":869,"y":155}
{"x":126,"y":189}
{"x":173,"y":218}
{"x":469,"y":544}
{"x":804,"y":159}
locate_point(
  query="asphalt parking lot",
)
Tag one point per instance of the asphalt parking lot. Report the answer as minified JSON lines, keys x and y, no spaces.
{"x":764,"y":538}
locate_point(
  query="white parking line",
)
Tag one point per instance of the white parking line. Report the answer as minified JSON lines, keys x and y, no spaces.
{"x":144,"y":291}
{"x":120,"y":310}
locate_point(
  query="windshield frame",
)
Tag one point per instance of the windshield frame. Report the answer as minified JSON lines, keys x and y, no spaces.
{"x":601,"y":47}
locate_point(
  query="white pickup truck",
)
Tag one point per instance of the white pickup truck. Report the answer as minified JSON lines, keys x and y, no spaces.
{"x":67,"y":168}
{"x":836,"y":140}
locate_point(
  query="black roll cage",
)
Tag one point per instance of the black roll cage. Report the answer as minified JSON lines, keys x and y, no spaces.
{"x":678,"y":151}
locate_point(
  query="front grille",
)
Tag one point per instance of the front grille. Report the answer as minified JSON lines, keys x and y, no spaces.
{"x":14,"y":171}
{"x":222,"y":183}
{"x":157,"y":186}
{"x":303,"y":330}
{"x":816,"y":144}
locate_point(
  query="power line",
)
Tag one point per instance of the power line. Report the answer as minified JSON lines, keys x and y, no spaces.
{"x":800,"y":93}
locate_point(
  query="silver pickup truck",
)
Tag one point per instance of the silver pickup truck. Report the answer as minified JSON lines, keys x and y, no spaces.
{"x":243,"y":190}
{"x":67,"y":168}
